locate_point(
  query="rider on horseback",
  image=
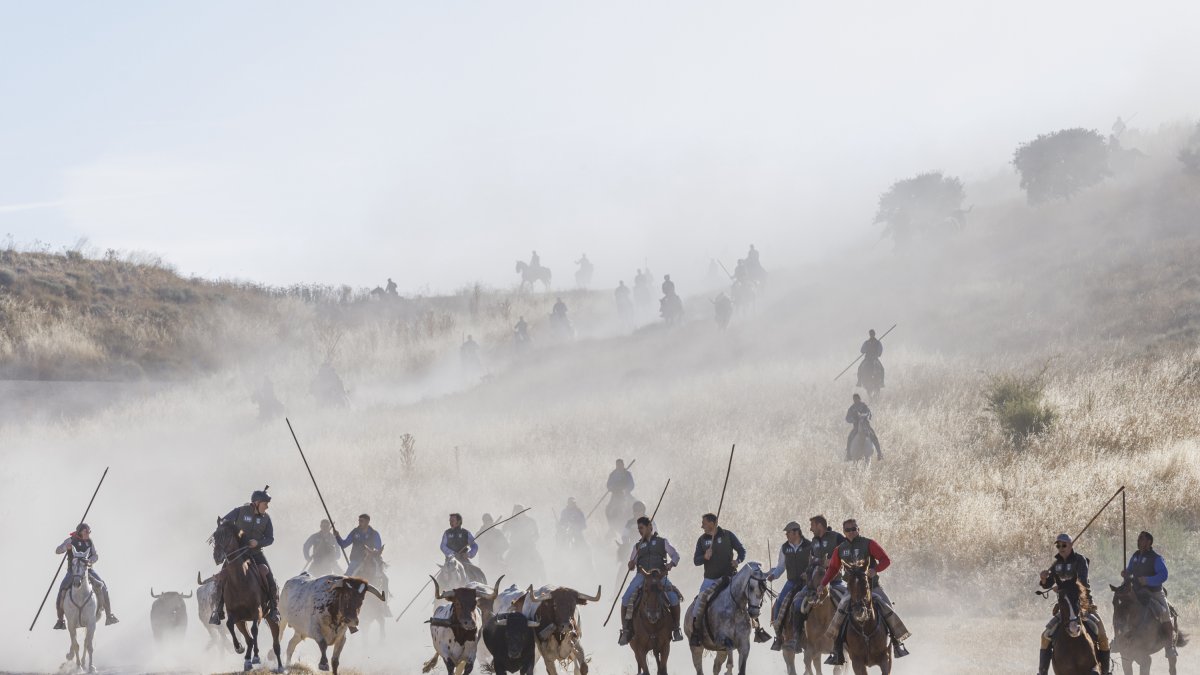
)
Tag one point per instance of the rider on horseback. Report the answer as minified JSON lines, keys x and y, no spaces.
{"x":535,"y":261}
{"x":857,"y":412}
{"x":321,"y":551}
{"x":521,"y":332}
{"x":458,"y":542}
{"x":1148,"y":571}
{"x":1067,"y":568}
{"x":794,"y":558}
{"x":871,"y":350}
{"x":361,"y":538}
{"x":715,"y":551}
{"x":571,"y":524}
{"x":668,"y":286}
{"x":81,"y":541}
{"x":824,"y":541}
{"x":651,"y":552}
{"x":256,"y":533}
{"x":857,"y":549}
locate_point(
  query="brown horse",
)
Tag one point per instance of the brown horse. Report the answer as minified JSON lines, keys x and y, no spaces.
{"x":1073,"y":647}
{"x":652,"y":624}
{"x":821,"y":609}
{"x":1139,"y":635}
{"x":866,"y":635}
{"x":244,"y":594}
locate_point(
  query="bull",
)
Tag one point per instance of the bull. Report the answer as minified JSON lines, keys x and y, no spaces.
{"x":206,"y":602}
{"x":323,"y":610}
{"x":168,"y":615}
{"x":455,"y":627}
{"x":509,"y":637}
{"x":555,"y":611}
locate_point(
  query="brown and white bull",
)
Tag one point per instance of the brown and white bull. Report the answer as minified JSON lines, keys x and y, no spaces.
{"x":206,"y":602}
{"x":558,"y":630}
{"x":168,"y":615}
{"x":455,"y":628}
{"x":323,"y":609}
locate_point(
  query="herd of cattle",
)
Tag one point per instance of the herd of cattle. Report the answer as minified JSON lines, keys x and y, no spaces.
{"x":517,"y":627}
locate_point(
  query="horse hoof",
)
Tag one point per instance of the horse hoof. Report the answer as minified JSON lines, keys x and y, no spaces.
{"x":323,"y":666}
{"x":246,"y":667}
{"x":238,"y":649}
{"x":256,"y":660}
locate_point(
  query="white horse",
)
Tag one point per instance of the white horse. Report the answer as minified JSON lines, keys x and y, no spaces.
{"x":731,"y":617}
{"x":82,"y":609}
{"x":861,"y":446}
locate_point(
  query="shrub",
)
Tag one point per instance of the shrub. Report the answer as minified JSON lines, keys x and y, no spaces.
{"x":1016,"y":401}
{"x":926,"y":204}
{"x":1189,"y":154}
{"x":1057,"y":165}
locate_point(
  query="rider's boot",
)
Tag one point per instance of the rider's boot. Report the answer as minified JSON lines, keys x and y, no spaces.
{"x":837,"y":657}
{"x":1171,"y":650}
{"x":698,"y":621}
{"x":106,"y":602}
{"x":794,"y":642}
{"x":1105,"y":662}
{"x":218,"y":614}
{"x":61,"y":624}
{"x":676,"y":634}
{"x":626,"y":630}
{"x":1044,"y":662}
{"x":272,"y":593}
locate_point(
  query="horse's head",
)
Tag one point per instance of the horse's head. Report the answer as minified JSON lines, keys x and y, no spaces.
{"x":653,"y":596}
{"x":750,"y":583}
{"x":225,"y":540}
{"x":862,"y":609}
{"x":1072,"y":606}
{"x":79,"y":568}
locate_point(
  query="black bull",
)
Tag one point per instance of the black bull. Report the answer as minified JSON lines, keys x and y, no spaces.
{"x":168,"y":614}
{"x":509,"y":638}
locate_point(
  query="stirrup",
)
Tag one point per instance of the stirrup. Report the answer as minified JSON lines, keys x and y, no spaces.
{"x":777,"y":644}
{"x":676,"y":635}
{"x":60,"y":625}
{"x":761,"y":635}
{"x":623,"y":638}
{"x":111,"y":619}
{"x":898,"y":649}
{"x":217,"y":617}
{"x":837,"y":658}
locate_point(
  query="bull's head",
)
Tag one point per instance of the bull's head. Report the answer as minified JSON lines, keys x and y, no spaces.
{"x":350,"y":592}
{"x":518,"y":637}
{"x":561,"y":604}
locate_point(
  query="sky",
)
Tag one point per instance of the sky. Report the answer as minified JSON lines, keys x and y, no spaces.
{"x":437,"y":143}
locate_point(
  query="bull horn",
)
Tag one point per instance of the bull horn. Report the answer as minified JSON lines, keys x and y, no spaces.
{"x":377,"y":593}
{"x":595,"y":598}
{"x":153,"y":595}
{"x":495,"y":591}
{"x":185,"y":597}
{"x":537,"y":595}
{"x":437,"y":590}
{"x":199,"y":582}
{"x":1114,"y":588}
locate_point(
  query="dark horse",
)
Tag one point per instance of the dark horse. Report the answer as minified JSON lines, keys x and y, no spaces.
{"x":866,"y":636}
{"x":244,"y":593}
{"x":374,"y":610}
{"x":1073,"y":647}
{"x":1139,"y":635}
{"x":652,"y":624}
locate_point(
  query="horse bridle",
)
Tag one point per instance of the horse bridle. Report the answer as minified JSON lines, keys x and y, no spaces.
{"x":80,"y":562}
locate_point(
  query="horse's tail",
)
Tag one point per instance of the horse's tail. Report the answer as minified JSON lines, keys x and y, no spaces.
{"x":430,"y":664}
{"x":1181,"y":638}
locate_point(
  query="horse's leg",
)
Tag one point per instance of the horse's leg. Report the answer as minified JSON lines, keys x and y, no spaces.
{"x":229,"y":624}
{"x":87,"y":645}
{"x":698,"y":659}
{"x":276,"y":631}
{"x":249,"y":651}
{"x":640,"y":657}
{"x":1171,"y":664}
{"x":254,"y":639}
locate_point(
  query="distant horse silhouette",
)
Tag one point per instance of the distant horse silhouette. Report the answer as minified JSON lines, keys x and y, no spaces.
{"x":530,"y":276}
{"x":861,"y":446}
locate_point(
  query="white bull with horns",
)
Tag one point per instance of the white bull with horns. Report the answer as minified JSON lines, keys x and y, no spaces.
{"x":323,"y":609}
{"x":455,"y":627}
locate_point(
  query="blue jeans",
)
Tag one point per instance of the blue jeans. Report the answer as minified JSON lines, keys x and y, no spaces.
{"x":636,"y":585}
{"x":783,"y":593}
{"x":708,"y":583}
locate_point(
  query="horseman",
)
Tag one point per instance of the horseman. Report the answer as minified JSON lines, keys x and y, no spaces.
{"x":255,"y":533}
{"x":856,"y":549}
{"x":621,"y":294}
{"x":535,"y":261}
{"x":824,"y":541}
{"x":871,"y":350}
{"x":492,"y":555}
{"x":1148,"y":571}
{"x":1067,"y":568}
{"x":321,"y":551}
{"x":459,"y":543}
{"x":521,"y":332}
{"x":715,"y":550}
{"x":857,"y":413}
{"x":571,"y":524}
{"x":559,"y":310}
{"x":620,"y":481}
{"x":724,"y":309}
{"x":668,"y":286}
{"x":81,"y":541}
{"x":469,"y":353}
{"x":361,"y":538}
{"x":651,"y":552}
{"x":585,"y":267}
{"x":794,"y":558}
{"x":391,"y":287}
{"x":629,"y":532}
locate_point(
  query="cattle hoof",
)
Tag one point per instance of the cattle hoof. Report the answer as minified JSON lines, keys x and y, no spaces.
{"x":277,"y":669}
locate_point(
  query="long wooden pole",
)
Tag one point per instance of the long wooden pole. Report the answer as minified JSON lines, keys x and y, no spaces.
{"x":859,"y":357}
{"x":1124,"y":535}
{"x":314,"y":482}
{"x":1120,"y":491}
{"x":64,"y":560}
{"x":617,"y":597}
{"x":728,"y":469}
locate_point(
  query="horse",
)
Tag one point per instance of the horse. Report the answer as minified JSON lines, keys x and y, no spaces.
{"x":1074,"y":650}
{"x":866,"y":636}
{"x":82,"y":610}
{"x":373,"y":569}
{"x":732,"y":614}
{"x":671,"y":309}
{"x":452,"y":573}
{"x":861,"y":447}
{"x":617,"y":512}
{"x":652,"y":623}
{"x":532,"y":275}
{"x":1139,"y":634}
{"x":821,"y":609}
{"x":870,"y":377}
{"x":244,"y":593}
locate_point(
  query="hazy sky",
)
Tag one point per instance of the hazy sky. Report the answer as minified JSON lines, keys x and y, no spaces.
{"x":438,"y":142}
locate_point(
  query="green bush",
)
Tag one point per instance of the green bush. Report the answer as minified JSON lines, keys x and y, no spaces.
{"x":1016,"y":401}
